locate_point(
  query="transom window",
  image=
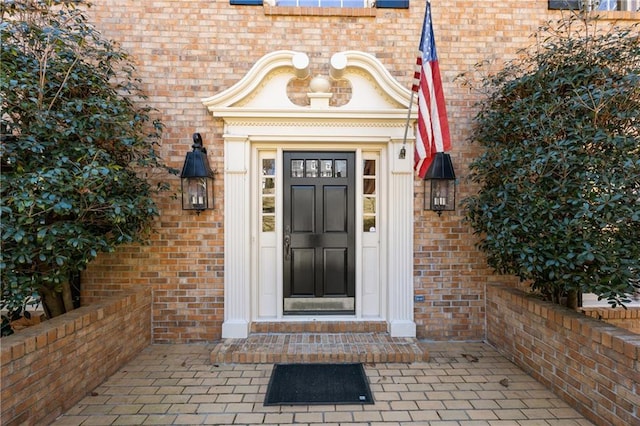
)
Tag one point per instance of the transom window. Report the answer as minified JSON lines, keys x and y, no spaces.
{"x":318,"y":168}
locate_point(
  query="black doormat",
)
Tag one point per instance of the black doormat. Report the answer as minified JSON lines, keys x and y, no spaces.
{"x":314,"y":384}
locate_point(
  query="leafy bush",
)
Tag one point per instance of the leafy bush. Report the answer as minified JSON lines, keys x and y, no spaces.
{"x":559,"y":203}
{"x":77,"y":150}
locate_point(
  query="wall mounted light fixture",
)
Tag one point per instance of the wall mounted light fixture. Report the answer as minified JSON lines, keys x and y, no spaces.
{"x":440,"y":185}
{"x":197,"y":178}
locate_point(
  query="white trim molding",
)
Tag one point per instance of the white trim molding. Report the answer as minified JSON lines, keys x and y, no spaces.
{"x":259,"y":117}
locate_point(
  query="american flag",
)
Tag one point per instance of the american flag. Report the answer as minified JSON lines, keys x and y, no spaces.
{"x":433,"y":128}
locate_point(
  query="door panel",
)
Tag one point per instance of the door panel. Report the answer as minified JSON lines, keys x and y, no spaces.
{"x":319,"y":232}
{"x":303,"y":271}
{"x":336,"y":207}
{"x":303,"y":209}
{"x":336,"y":271}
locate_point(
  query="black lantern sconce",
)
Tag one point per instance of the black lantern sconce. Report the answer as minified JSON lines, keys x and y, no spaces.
{"x":440,"y":192}
{"x":197,"y":178}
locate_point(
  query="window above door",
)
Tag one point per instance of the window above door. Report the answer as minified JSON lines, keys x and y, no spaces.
{"x":380,"y":4}
{"x":322,"y":3}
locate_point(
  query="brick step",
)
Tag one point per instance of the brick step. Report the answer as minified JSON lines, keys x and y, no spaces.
{"x":290,"y":327}
{"x":270,"y":348}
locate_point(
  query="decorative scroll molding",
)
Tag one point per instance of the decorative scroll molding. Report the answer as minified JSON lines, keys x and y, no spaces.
{"x":263,"y":90}
{"x":261,"y":73}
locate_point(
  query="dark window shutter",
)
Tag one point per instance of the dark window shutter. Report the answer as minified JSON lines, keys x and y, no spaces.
{"x":246,"y":2}
{"x":392,"y":4}
{"x":564,"y":4}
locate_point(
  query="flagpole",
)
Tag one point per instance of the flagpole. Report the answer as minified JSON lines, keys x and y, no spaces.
{"x":403,"y":151}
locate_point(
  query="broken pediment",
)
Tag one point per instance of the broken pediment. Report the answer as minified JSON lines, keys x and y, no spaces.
{"x":282,"y":80}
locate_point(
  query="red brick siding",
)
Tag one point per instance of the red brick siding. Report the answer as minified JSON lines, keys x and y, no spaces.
{"x":191,"y":49}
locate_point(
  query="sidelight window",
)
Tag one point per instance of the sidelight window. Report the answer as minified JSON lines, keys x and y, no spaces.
{"x":369,"y":196}
{"x":268,"y":195}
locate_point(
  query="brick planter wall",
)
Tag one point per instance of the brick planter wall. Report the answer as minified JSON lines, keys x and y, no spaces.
{"x":593,"y":366}
{"x":49,"y":367}
{"x":629,"y":318}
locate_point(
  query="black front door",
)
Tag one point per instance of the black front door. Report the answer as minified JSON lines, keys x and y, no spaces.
{"x":319,"y":232}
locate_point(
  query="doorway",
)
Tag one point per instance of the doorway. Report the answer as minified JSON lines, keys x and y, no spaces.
{"x":319,"y":233}
{"x":261,"y":124}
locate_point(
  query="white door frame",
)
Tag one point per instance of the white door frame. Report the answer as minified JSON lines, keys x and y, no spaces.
{"x":267,"y":270}
{"x":257,"y":114}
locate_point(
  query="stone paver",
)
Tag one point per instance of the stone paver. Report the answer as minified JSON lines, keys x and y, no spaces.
{"x":178,"y":384}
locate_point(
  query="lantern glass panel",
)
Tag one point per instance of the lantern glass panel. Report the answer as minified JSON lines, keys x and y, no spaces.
{"x":440,"y":195}
{"x":197,"y":193}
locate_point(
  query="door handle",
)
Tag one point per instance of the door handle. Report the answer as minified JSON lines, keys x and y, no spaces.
{"x":287,"y":243}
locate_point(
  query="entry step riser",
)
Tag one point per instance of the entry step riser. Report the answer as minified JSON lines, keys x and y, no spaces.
{"x":322,"y":347}
{"x":289,"y":327}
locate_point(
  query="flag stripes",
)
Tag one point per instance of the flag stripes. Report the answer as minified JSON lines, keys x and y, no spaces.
{"x":433,"y":128}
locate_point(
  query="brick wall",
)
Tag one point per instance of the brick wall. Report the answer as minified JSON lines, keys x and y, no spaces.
{"x":190,"y":49}
{"x":49,"y":367}
{"x":593,"y":366}
{"x":629,"y":318}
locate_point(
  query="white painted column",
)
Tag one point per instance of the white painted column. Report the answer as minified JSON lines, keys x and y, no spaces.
{"x":237,"y":236}
{"x":400,"y":247}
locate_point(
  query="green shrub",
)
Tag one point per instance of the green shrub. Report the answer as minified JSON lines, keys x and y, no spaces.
{"x":77,"y":147}
{"x":559,"y":199}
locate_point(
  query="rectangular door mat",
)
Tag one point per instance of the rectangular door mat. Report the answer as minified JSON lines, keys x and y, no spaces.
{"x":314,"y":384}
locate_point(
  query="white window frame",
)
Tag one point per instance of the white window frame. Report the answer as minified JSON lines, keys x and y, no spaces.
{"x":318,"y":3}
{"x":614,"y":5}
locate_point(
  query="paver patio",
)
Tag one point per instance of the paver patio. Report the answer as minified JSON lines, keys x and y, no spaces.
{"x":462,"y":384}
